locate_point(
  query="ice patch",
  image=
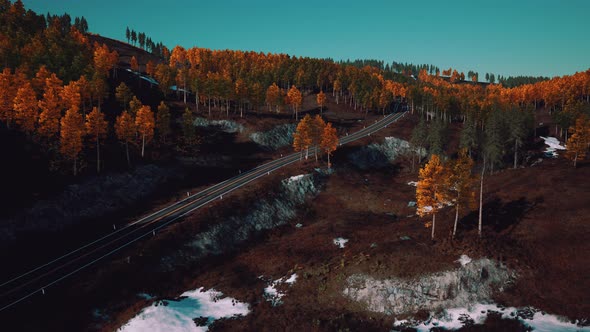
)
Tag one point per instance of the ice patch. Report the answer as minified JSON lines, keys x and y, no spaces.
{"x":464,"y":260}
{"x":340,"y":242}
{"x":456,"y":318}
{"x":553,"y":145}
{"x":180,"y":315}
{"x":272,"y":294}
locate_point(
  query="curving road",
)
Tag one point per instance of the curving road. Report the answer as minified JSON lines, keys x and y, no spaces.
{"x":37,"y":281}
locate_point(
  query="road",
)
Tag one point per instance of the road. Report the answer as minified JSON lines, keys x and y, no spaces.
{"x":39,"y":280}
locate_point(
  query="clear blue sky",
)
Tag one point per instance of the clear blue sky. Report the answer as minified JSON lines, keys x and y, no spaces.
{"x":507,"y":37}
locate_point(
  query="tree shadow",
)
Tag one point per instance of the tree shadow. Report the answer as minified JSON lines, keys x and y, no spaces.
{"x":499,"y":215}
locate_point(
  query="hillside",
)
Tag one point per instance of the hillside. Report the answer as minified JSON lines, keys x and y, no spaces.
{"x":99,"y":136}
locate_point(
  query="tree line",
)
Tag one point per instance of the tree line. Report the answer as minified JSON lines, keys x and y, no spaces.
{"x":145,"y":42}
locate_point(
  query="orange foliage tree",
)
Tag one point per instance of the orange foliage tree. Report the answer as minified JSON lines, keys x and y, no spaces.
{"x":431,"y":191}
{"x":577,"y":144}
{"x":321,"y":100}
{"x":50,"y":106}
{"x":302,"y":138}
{"x":26,"y":107}
{"x":71,"y":134}
{"x":295,"y":98}
{"x":273,"y":97}
{"x":7,"y":96}
{"x":145,"y":123}
{"x":460,"y":182}
{"x":96,"y":128}
{"x":125,"y":131}
{"x":329,"y":141}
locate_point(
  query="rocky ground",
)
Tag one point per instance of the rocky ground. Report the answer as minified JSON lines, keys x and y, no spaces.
{"x":534,"y":230}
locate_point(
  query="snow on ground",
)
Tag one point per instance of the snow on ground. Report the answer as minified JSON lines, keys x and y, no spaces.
{"x":413,"y":183}
{"x":295,"y":178}
{"x":553,"y":145}
{"x":340,"y":242}
{"x":464,"y":260}
{"x":173,"y":315}
{"x":272,"y":294}
{"x":151,"y":80}
{"x":427,"y":209}
{"x":453,"y":319}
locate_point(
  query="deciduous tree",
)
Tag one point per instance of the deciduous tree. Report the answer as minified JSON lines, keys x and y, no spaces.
{"x":431,"y":192}
{"x":329,"y":141}
{"x":295,"y":98}
{"x":123,"y":94}
{"x":321,"y":100}
{"x":7,"y":96}
{"x":460,"y":183}
{"x":26,"y":108}
{"x":50,"y":106}
{"x":96,"y":129}
{"x":125,"y":131}
{"x":273,"y":97}
{"x":144,"y":122}
{"x":71,"y":133}
{"x":302,"y":138}
{"x":188,"y":126}
{"x":163,"y":121}
{"x":577,"y":144}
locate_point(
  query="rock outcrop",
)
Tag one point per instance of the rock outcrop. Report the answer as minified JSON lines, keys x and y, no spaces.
{"x":275,"y":138}
{"x":474,"y":282}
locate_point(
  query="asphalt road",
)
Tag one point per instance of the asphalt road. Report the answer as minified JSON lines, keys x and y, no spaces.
{"x":37,"y":281}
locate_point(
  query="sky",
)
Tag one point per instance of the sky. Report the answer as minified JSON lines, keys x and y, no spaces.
{"x":536,"y":37}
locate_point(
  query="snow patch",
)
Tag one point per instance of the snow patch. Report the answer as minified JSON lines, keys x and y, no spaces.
{"x":456,"y":318}
{"x":295,"y":178}
{"x":340,"y":242}
{"x":271,"y":292}
{"x":553,"y":145}
{"x":179,"y":315}
{"x":464,"y":260}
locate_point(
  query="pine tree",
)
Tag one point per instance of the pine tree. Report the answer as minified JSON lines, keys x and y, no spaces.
{"x":329,"y":141}
{"x":96,"y":129}
{"x":431,"y":191}
{"x":125,"y":131}
{"x":468,"y":139}
{"x":517,"y":130}
{"x":144,"y":122}
{"x":71,"y":134}
{"x":418,"y":141}
{"x":493,"y":147}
